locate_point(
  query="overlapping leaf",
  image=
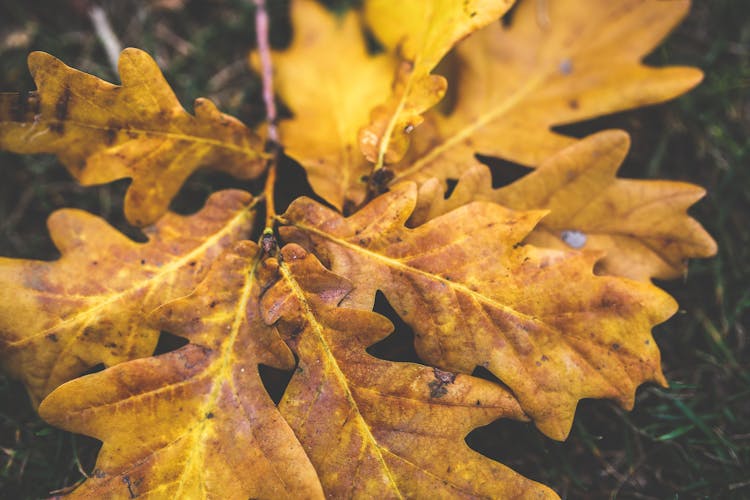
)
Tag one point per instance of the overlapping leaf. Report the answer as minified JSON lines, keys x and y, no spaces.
{"x":103,"y":132}
{"x":642,"y":226}
{"x":538,"y":319}
{"x":516,"y":82}
{"x":59,"y":318}
{"x":375,"y":428}
{"x":422,"y":32}
{"x":329,"y":97}
{"x":196,"y":422}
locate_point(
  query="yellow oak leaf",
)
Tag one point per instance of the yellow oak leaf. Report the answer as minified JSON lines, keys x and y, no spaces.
{"x":327,"y":78}
{"x":421,"y":32}
{"x":196,"y":422}
{"x":375,"y":428}
{"x":103,"y":132}
{"x":57,"y":319}
{"x":538,"y":319}
{"x":515,"y":83}
{"x":642,"y":226}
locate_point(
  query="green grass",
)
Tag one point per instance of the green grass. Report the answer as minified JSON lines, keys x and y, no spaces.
{"x":689,"y":441}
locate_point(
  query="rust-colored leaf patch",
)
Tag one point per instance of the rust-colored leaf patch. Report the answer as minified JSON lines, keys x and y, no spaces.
{"x":375,"y":428}
{"x":538,"y":319}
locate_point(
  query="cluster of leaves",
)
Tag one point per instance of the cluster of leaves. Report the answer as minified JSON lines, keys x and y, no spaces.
{"x":544,"y":282}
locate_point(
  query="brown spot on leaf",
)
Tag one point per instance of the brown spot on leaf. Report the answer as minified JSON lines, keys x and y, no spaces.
{"x":57,"y":127}
{"x":61,"y":107}
{"x":129,"y":484}
{"x":51,"y":337}
{"x":442,"y":379}
{"x":110,"y":136}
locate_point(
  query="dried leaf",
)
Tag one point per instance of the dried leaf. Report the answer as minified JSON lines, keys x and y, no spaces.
{"x":538,"y":319}
{"x":422,"y":32}
{"x":515,"y":83}
{"x":375,"y":428}
{"x":329,"y":97}
{"x":59,"y":318}
{"x":196,"y":422}
{"x":103,"y":132}
{"x":642,"y":226}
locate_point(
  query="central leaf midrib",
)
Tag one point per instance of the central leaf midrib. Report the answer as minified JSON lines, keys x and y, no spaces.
{"x":169,"y":268}
{"x":396,"y":264}
{"x":167,"y":135}
{"x":299,"y":293}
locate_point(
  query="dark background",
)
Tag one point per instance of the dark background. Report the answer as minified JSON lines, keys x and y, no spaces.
{"x":689,"y":441}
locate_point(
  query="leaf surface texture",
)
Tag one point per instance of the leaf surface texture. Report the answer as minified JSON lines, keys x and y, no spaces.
{"x":103,"y":132}
{"x":538,"y":319}
{"x":60,"y":318}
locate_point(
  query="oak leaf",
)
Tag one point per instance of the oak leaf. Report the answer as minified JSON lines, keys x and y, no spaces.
{"x":196,"y":422}
{"x":641,"y":225}
{"x":104,"y":132}
{"x":421,"y":32}
{"x":370,"y":427}
{"x":515,"y":83}
{"x":374,"y":428}
{"x":329,"y":97}
{"x":57,"y":319}
{"x":538,"y":319}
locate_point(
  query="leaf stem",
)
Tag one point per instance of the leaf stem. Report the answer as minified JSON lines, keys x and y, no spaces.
{"x":268,"y":191}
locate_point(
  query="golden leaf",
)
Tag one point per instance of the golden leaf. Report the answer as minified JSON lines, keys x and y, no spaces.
{"x":59,"y":318}
{"x":197,"y":422}
{"x":538,"y":319}
{"x":422,"y":32}
{"x":329,"y":97}
{"x":641,"y":226}
{"x":375,"y":428}
{"x":515,"y":83}
{"x":103,"y":132}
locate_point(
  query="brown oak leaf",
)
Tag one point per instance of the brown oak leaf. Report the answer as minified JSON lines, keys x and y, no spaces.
{"x":539,"y":319}
{"x":375,"y":428}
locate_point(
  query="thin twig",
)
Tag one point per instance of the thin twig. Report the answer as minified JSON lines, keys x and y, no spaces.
{"x":264,"y":50}
{"x":106,"y":34}
{"x":268,"y":240}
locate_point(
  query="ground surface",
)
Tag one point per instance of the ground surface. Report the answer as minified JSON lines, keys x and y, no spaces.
{"x":689,"y":441}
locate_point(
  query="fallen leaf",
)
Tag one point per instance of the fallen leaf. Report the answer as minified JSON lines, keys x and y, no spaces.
{"x":421,"y":32}
{"x":196,"y":422}
{"x":538,"y":319}
{"x":103,"y":132}
{"x":329,"y":97}
{"x":642,"y":226}
{"x":375,"y":428}
{"x":57,"y":319}
{"x":514,"y":83}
